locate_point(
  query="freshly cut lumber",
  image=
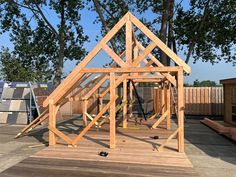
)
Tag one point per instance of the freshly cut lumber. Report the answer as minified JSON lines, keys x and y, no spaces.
{"x":215,"y":125}
{"x":227,"y":130}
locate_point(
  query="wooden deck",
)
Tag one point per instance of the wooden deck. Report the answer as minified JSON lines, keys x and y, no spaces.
{"x":133,"y":156}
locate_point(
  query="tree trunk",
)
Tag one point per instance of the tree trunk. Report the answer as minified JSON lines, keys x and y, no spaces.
{"x":198,"y":28}
{"x":171,"y":39}
{"x":163,"y":30}
{"x":60,"y":63}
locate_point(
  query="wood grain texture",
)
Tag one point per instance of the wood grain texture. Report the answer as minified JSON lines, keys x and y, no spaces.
{"x":45,"y":167}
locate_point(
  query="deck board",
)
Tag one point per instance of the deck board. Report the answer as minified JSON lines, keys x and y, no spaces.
{"x":133,"y":156}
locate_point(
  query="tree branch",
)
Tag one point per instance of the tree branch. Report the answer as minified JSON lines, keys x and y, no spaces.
{"x":46,"y":21}
{"x":21,"y":5}
{"x":97,"y":7}
{"x":201,"y":23}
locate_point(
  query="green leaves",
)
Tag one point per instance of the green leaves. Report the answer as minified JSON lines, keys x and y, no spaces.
{"x":210,"y":27}
{"x":45,"y":34}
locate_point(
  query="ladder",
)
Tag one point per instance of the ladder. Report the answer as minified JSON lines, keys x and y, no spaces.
{"x":35,"y":101}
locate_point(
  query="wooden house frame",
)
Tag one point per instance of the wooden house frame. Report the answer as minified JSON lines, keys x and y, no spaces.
{"x":126,"y":66}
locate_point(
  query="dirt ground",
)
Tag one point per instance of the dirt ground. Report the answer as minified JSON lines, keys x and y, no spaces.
{"x":211,"y":154}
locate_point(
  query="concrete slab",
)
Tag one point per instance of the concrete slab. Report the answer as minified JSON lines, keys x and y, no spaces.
{"x":211,"y":154}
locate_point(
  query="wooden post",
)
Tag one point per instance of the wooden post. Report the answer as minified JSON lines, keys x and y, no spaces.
{"x":112,"y":112}
{"x":180,"y":111}
{"x":100,"y":103}
{"x":131,"y":100}
{"x":52,"y":123}
{"x":128,"y":43}
{"x":163,"y":104}
{"x":85,"y":108}
{"x":125,"y":103}
{"x":129,"y":52}
{"x":168,"y":106}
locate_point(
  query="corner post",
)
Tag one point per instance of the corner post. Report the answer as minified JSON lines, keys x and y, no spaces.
{"x":52,"y":122}
{"x":180,"y":110}
{"x":112,"y":112}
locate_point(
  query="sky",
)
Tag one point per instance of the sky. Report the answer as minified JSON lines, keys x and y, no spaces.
{"x":200,"y":70}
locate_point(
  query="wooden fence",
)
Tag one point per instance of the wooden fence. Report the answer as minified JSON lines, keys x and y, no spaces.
{"x":198,"y":101}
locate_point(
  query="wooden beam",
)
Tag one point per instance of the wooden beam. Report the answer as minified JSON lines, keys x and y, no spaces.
{"x":125,"y":103}
{"x":154,"y":60}
{"x":158,"y":63}
{"x":147,"y":80}
{"x":29,"y":127}
{"x":114,"y":56}
{"x":128,"y":43}
{"x":180,"y":111}
{"x":168,"y":139}
{"x":168,"y":107}
{"x":118,"y":107}
{"x":165,"y":69}
{"x":100,"y":103}
{"x":85,"y":108}
{"x":58,"y":95}
{"x":112,"y":112}
{"x":163,"y":116}
{"x":60,"y":134}
{"x":90,"y":117}
{"x":84,"y":131}
{"x":95,"y":87}
{"x":160,"y":44}
{"x":153,"y":116}
{"x":75,"y":97}
{"x":95,"y":80}
{"x":131,"y":99}
{"x":118,"y":82}
{"x":37,"y":123}
{"x":146,"y":77}
{"x":74,"y":76}
{"x":163,"y":98}
{"x":143,"y":54}
{"x":52,"y":123}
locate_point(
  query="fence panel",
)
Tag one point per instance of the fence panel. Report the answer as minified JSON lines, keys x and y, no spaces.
{"x":198,"y":101}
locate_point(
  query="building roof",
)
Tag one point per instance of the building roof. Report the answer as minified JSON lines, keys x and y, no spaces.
{"x":228,"y":81}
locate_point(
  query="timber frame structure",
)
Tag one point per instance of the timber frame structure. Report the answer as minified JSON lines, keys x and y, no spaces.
{"x":126,"y":66}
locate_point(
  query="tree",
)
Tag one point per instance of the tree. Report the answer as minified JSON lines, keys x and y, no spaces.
{"x":204,"y":83}
{"x":201,"y":28}
{"x":14,"y":70}
{"x":36,"y":39}
{"x":109,"y":12}
{"x":208,"y":30}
